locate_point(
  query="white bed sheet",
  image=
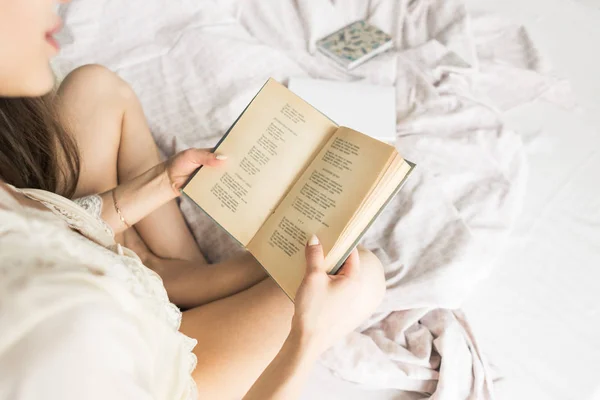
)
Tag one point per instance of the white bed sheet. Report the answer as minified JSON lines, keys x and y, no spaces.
{"x":538,"y":315}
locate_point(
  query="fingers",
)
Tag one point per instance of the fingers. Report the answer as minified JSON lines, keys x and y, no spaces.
{"x":352,"y":265}
{"x":205,"y":157}
{"x":315,"y":261}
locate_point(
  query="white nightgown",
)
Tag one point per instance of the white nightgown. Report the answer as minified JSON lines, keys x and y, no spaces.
{"x":80,"y":316}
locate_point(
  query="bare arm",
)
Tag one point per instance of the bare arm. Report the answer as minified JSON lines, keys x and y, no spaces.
{"x":321,"y":317}
{"x":189,"y":284}
{"x":137,"y":198}
{"x":287,"y":373}
{"x":157,"y":186}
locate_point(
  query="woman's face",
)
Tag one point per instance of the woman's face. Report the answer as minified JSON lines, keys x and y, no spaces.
{"x":26,"y":46}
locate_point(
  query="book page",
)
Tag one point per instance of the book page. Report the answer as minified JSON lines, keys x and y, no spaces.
{"x":323,"y":201}
{"x":269,"y":146}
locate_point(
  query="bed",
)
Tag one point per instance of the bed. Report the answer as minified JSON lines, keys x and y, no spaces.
{"x":538,"y":314}
{"x":508,"y":154}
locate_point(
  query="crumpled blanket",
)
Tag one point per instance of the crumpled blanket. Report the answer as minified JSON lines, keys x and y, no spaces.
{"x":196,"y":64}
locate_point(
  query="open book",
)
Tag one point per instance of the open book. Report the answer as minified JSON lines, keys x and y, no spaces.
{"x":292,"y":172}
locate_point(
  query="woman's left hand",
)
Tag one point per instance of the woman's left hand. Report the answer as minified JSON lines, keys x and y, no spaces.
{"x":183,"y":164}
{"x":143,"y":194}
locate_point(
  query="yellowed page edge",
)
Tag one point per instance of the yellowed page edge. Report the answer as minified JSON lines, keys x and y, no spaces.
{"x":370,"y":209}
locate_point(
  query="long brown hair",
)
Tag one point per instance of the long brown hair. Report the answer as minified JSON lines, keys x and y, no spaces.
{"x":36,"y":151}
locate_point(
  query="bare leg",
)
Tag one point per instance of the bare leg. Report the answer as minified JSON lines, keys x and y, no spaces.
{"x":115,"y":144}
{"x":237,"y":338}
{"x":240,"y":335}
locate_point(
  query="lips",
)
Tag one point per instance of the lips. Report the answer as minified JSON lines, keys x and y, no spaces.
{"x":50,"y":35}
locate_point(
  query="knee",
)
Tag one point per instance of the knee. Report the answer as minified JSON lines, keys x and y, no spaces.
{"x":94,"y":81}
{"x":372,"y":271}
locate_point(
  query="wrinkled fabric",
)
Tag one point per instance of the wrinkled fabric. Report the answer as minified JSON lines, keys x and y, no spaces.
{"x":81,"y":317}
{"x":195,"y":65}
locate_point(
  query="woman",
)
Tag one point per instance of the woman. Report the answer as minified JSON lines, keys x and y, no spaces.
{"x":83,"y":316}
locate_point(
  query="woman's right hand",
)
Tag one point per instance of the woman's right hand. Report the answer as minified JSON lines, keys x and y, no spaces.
{"x":327,"y":307}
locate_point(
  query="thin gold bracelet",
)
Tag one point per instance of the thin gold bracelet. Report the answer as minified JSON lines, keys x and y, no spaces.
{"x":118,"y":210}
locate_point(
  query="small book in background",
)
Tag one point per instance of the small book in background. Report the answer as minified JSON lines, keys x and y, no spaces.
{"x":354,"y":44}
{"x":291,"y":172}
{"x":370,"y":109}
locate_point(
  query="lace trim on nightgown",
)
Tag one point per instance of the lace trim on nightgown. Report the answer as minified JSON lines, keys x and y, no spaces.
{"x":93,"y":205}
{"x":147,"y":281}
{"x":142,"y":281}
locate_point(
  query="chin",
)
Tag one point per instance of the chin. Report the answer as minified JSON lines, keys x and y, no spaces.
{"x":35,"y":81}
{"x":30,"y":85}
{"x":41,"y":86}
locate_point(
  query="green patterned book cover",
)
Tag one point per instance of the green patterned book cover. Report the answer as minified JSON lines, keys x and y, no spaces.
{"x":355,"y":43}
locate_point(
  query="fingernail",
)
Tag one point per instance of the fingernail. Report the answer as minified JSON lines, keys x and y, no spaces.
{"x":221,"y":157}
{"x":313,"y":241}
